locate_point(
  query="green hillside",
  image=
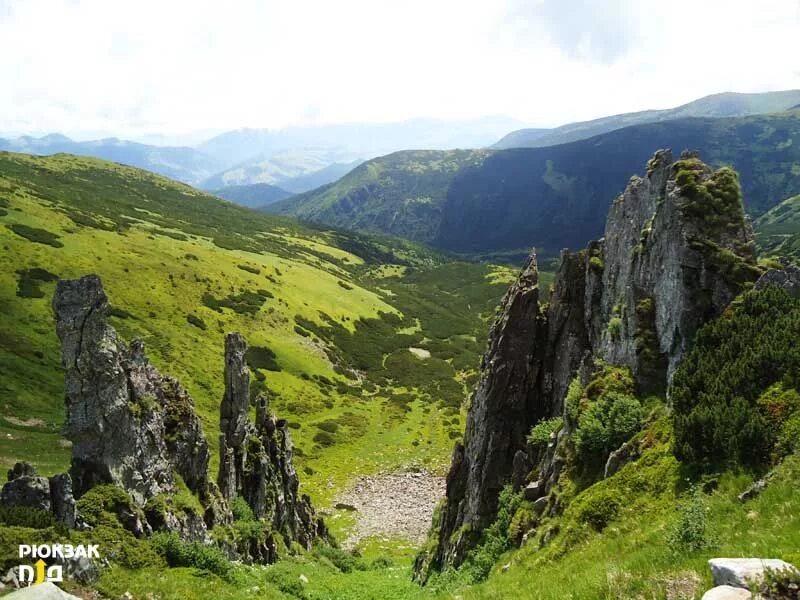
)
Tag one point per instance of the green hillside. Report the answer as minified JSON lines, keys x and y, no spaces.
{"x":400,"y":194}
{"x":728,"y":104}
{"x":480,"y":202}
{"x":330,"y":316}
{"x":778,"y":231}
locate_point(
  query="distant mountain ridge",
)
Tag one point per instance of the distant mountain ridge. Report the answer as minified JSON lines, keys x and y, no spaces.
{"x":253,"y":196}
{"x":185,"y":164}
{"x":726,"y":104}
{"x":479,"y":202}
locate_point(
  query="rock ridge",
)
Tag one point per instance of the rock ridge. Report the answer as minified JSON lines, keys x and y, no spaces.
{"x":677,"y":249}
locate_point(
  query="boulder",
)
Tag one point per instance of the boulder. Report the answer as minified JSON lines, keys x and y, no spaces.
{"x":45,"y":591}
{"x":533,"y":491}
{"x":727,"y":592}
{"x":25,"y":488}
{"x":743,"y":572}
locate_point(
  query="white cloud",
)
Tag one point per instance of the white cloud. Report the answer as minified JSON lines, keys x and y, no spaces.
{"x":92,"y":66}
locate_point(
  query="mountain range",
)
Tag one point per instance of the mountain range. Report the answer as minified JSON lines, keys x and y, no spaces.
{"x":726,"y":104}
{"x":500,"y":201}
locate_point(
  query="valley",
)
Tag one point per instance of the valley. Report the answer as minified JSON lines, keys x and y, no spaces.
{"x":499,"y":202}
{"x":330,"y":316}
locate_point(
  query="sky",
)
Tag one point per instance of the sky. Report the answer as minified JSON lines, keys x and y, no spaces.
{"x":134,"y":68}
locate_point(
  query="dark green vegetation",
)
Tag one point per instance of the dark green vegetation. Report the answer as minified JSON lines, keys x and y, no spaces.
{"x":778,"y":231}
{"x":482,"y":202}
{"x":253,"y":196}
{"x":718,"y":105}
{"x":735,"y":395}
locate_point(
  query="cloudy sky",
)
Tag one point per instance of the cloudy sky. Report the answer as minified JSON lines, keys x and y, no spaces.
{"x":131,"y":68}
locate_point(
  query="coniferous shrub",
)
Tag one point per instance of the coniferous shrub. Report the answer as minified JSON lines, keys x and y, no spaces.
{"x":715,"y":393}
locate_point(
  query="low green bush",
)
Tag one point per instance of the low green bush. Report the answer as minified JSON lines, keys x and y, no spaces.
{"x":178,"y":553}
{"x":689,"y":532}
{"x":34,"y":234}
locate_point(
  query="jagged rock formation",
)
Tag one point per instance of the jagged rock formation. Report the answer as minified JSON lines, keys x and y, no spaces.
{"x":129,"y":425}
{"x":137,"y":429}
{"x":677,"y":249}
{"x":256,"y":460}
{"x":27,"y":489}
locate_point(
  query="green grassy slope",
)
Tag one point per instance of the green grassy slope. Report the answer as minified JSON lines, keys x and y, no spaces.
{"x":401,"y":194}
{"x":778,"y":231}
{"x":182,"y":267}
{"x":554,"y":197}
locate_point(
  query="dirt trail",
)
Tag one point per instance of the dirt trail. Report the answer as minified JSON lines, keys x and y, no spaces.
{"x":396,"y":505}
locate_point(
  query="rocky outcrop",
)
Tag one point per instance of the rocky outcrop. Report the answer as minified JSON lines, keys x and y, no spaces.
{"x":26,"y":489}
{"x":128,"y":424}
{"x":256,"y":459}
{"x":135,"y":428}
{"x":787,"y":278}
{"x":677,"y":249}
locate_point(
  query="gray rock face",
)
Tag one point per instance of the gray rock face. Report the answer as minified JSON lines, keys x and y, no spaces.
{"x":256,"y":461}
{"x":743,"y":572}
{"x":25,"y":488}
{"x":128,"y":424}
{"x":62,"y":500}
{"x":665,"y":270}
{"x":677,"y":249}
{"x":787,"y":278}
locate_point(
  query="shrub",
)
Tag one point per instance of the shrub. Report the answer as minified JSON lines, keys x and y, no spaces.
{"x":346,"y":562}
{"x":34,"y":234}
{"x":495,"y":539}
{"x":261,"y":357}
{"x":241,"y":510}
{"x":615,"y":328}
{"x":329,"y":426}
{"x":717,"y":417}
{"x":324,"y":439}
{"x":540,"y":434}
{"x":245,"y":303}
{"x":780,"y":584}
{"x":178,"y":553}
{"x":249,"y":269}
{"x":196,"y":321}
{"x":690,"y":532}
{"x":29,"y":281}
{"x":288,"y":583}
{"x":598,"y":508}
{"x":24,"y":516}
{"x":605,"y":425}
